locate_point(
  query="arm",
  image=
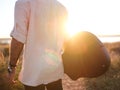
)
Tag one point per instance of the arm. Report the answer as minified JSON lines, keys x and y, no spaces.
{"x":15,"y":50}
{"x":18,"y":34}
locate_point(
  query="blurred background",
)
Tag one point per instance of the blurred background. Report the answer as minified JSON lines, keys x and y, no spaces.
{"x":101,"y":17}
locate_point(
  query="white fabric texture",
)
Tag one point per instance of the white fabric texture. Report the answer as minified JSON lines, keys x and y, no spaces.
{"x":39,"y":24}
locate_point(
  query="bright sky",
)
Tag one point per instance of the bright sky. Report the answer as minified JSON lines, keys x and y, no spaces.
{"x":96,"y":16}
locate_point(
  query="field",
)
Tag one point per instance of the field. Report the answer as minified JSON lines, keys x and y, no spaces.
{"x":109,"y":81}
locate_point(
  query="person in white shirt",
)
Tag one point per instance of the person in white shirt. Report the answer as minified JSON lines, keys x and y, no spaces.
{"x":39,"y":31}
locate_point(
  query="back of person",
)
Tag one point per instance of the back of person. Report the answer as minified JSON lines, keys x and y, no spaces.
{"x":46,"y":24}
{"x":39,"y":25}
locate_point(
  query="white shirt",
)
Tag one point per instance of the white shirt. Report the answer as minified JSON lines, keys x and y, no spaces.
{"x":39,"y":24}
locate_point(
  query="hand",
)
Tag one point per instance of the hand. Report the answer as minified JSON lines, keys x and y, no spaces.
{"x":11,"y":76}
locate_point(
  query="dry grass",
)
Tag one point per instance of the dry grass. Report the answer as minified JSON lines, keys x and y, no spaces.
{"x":1,"y":57}
{"x":108,"y":81}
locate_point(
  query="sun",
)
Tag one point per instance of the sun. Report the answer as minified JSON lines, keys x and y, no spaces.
{"x":72,"y":27}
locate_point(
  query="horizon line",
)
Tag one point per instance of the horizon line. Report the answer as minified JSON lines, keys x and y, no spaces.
{"x":117,"y":35}
{"x":104,"y":35}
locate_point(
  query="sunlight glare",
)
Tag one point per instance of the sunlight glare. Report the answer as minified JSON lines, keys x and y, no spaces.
{"x":72,"y":26}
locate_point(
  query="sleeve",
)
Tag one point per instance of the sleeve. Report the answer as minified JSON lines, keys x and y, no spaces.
{"x":20,"y":29}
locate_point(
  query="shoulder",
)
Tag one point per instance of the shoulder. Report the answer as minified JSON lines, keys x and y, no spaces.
{"x":23,"y":4}
{"x":61,"y":8}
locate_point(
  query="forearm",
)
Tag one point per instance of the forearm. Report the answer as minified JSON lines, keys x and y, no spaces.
{"x":15,"y":51}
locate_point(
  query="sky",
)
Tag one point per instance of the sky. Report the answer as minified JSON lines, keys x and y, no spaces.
{"x":6,"y":17}
{"x":97,"y":16}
